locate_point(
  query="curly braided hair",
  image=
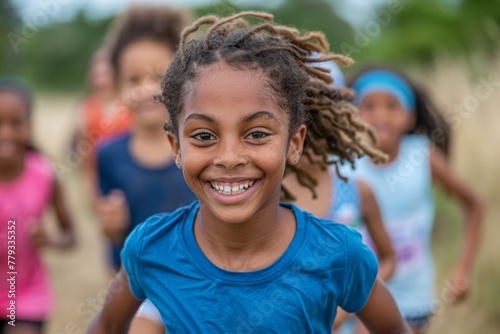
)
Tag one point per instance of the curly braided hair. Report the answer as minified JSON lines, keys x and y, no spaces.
{"x":335,"y":133}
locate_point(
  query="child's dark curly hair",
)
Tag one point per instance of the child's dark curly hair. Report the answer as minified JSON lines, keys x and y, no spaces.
{"x":158,"y":23}
{"x":335,"y":133}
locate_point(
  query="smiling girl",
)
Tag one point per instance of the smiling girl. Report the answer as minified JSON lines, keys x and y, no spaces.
{"x":28,"y":188}
{"x":238,"y":260}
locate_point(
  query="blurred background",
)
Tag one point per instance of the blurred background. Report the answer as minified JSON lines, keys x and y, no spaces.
{"x":449,"y":46}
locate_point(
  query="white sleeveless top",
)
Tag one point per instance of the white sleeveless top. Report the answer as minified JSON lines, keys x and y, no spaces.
{"x":403,"y":189}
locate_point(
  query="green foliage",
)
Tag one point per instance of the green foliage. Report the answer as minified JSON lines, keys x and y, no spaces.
{"x":61,"y":52}
{"x":52,"y":57}
{"x":56,"y":55}
{"x":426,"y":28}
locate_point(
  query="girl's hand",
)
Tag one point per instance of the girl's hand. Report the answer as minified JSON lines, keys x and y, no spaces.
{"x":114,"y":215}
{"x":38,"y":236}
{"x":460,"y":285}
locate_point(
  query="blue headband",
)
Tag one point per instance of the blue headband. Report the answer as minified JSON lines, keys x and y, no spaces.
{"x":379,"y":81}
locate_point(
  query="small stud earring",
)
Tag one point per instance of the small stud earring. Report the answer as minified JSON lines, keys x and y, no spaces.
{"x":178,"y":162}
{"x":295,"y":160}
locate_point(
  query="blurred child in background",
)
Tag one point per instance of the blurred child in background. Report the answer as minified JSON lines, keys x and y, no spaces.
{"x":103,"y":116}
{"x":28,"y":187}
{"x":414,"y":136}
{"x":348,"y":202}
{"x":137,"y":173}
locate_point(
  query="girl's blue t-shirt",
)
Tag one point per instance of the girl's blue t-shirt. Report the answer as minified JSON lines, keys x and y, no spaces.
{"x":326,"y":265}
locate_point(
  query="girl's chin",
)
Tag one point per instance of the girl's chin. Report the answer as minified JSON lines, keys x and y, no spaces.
{"x":232,"y":216}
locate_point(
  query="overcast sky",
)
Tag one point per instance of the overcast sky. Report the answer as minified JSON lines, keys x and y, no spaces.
{"x":353,"y":10}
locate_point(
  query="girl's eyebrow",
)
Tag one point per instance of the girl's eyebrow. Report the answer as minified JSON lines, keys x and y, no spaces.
{"x":246,"y":119}
{"x":201,"y":117}
{"x":260,"y":114}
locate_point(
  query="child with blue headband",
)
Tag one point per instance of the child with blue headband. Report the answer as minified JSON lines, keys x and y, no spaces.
{"x":415,"y":138}
{"x":350,"y":202}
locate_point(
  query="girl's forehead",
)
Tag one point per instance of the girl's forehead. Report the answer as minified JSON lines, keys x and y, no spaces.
{"x":13,"y":99}
{"x":221,"y":81}
{"x":222,"y":90}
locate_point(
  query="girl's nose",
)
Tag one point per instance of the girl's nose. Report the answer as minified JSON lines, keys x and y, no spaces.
{"x":230,"y":154}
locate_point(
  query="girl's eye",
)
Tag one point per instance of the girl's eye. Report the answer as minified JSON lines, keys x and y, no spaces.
{"x":392,"y":106}
{"x":204,"y":136}
{"x":367,"y":106}
{"x":257,"y":135}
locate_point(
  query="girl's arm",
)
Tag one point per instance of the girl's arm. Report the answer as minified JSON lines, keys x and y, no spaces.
{"x":378,"y":233}
{"x":444,"y":175}
{"x":66,"y":239}
{"x":118,"y":310}
{"x":380,"y":315}
{"x":114,"y":215}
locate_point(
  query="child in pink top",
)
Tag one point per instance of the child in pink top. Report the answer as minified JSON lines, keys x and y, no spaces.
{"x":27,"y":187}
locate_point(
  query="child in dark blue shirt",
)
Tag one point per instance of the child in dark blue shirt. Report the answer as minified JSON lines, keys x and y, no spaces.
{"x":136,"y":172}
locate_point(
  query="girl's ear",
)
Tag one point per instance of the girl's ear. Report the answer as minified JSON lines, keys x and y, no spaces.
{"x":176,"y":148}
{"x":296,"y":145}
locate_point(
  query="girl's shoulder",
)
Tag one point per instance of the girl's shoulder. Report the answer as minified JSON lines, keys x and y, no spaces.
{"x":325,"y":230}
{"x":163,"y":225}
{"x":334,"y":246}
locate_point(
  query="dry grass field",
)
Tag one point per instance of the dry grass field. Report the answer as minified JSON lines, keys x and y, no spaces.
{"x":80,"y":276}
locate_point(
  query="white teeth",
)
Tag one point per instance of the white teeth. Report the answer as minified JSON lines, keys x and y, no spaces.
{"x":232,"y":190}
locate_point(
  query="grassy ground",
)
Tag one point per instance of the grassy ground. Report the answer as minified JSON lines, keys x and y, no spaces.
{"x":80,"y":277}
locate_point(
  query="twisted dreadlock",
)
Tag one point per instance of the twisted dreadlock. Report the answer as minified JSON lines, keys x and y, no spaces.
{"x":303,"y":90}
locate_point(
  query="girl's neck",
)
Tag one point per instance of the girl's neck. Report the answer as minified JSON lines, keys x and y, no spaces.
{"x":247,"y":246}
{"x":304,"y":199}
{"x":392,"y":151}
{"x":10,"y":172}
{"x":150,"y":147}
